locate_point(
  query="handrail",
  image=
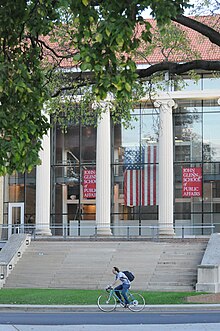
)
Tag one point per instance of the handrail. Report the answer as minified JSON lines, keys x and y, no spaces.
{"x":124,"y":231}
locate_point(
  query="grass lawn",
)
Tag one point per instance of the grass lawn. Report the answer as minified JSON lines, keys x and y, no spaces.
{"x":81,"y":297}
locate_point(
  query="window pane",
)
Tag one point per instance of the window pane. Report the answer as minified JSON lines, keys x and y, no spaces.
{"x":88,"y":143}
{"x":188,"y":137}
{"x":131,"y":135}
{"x":211,"y":106}
{"x":149,"y":129}
{"x":188,"y":106}
{"x":189,"y":85}
{"x":211,"y":83}
{"x":211,"y":140}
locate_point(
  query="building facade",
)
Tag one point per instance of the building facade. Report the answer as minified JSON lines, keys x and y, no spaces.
{"x":160,"y":176}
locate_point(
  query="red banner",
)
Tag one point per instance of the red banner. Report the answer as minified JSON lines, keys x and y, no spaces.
{"x":89,"y":184}
{"x":192,"y":182}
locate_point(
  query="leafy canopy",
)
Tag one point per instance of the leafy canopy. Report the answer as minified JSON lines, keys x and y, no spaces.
{"x":99,"y":36}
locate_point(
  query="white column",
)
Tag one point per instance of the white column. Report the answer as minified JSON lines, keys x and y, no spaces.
{"x":103,"y":174}
{"x":43,"y":189}
{"x":165,"y":167}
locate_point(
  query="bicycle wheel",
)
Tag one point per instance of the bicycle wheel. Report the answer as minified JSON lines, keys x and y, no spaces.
{"x":106,"y":303}
{"x":137,"y":302}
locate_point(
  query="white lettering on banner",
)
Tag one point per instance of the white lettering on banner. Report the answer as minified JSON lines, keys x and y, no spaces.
{"x":90,"y":172}
{"x":192,"y":182}
{"x":89,"y":190}
{"x":191,"y":194}
{"x":89,"y":184}
{"x":90,"y":181}
{"x":194,"y":189}
{"x":90,"y":177}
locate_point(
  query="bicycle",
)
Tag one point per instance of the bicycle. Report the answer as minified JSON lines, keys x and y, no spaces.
{"x":108,"y":301}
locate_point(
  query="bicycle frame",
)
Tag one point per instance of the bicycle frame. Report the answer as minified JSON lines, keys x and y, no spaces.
{"x":107,"y":302}
{"x":113,"y":293}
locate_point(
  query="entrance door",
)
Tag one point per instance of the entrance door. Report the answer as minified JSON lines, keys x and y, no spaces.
{"x":15,"y":218}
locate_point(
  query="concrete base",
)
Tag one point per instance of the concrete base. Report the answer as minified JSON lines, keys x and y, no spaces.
{"x":166,"y":231}
{"x":210,"y":288}
{"x":104,"y":231}
{"x":209,"y":270}
{"x":43,"y":232}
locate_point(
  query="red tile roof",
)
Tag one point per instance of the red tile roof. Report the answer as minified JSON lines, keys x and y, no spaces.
{"x":197,"y":44}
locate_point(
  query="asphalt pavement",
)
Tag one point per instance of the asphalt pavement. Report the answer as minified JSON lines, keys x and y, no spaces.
{"x":136,"y":327}
{"x":149,"y":327}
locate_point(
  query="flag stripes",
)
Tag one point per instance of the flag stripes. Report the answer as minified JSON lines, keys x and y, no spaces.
{"x":141,"y":179}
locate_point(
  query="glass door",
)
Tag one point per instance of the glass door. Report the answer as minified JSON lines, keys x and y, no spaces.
{"x":15,"y":218}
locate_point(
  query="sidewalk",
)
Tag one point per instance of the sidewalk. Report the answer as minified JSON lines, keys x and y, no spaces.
{"x":149,"y":327}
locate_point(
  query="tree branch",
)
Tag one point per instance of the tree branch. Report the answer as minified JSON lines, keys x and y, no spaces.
{"x":204,"y":29}
{"x":171,"y":67}
{"x":67,"y":56}
{"x":179,"y":68}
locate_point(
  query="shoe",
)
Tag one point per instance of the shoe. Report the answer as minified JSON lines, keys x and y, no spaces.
{"x":125,"y":305}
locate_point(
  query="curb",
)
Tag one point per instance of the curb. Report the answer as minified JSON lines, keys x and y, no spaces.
{"x":94,"y":308}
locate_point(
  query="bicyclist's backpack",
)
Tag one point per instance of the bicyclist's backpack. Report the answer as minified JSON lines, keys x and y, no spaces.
{"x":129,"y":275}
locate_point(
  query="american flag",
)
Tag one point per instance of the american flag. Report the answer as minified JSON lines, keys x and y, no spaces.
{"x":141,"y":176}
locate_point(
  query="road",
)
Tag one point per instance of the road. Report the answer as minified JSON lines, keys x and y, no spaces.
{"x":114,"y":318}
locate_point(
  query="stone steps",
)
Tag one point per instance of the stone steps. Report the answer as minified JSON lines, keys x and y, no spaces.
{"x":87,"y":265}
{"x":177,"y":268}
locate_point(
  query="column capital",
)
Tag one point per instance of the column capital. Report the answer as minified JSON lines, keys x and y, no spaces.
{"x":105,"y":104}
{"x":166,"y":104}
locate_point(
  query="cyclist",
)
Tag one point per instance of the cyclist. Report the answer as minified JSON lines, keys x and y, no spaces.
{"x":123,"y":287}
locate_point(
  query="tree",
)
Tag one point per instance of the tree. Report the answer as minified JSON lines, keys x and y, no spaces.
{"x":22,"y":91}
{"x":101,"y":38}
{"x":108,"y":51}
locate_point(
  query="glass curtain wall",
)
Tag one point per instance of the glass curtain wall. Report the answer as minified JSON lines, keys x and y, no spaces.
{"x":196,"y":165}
{"x":135,"y":172}
{"x":73,"y":179}
{"x":196,"y":168}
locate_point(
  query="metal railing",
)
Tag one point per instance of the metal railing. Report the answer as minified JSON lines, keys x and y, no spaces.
{"x":127,"y":232}
{"x":145,"y":231}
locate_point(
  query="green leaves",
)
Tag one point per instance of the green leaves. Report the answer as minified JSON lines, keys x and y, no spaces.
{"x":85,"y":2}
{"x":99,"y":37}
{"x":103,"y":41}
{"x":21,"y":122}
{"x":22,"y":96}
{"x":107,"y":39}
